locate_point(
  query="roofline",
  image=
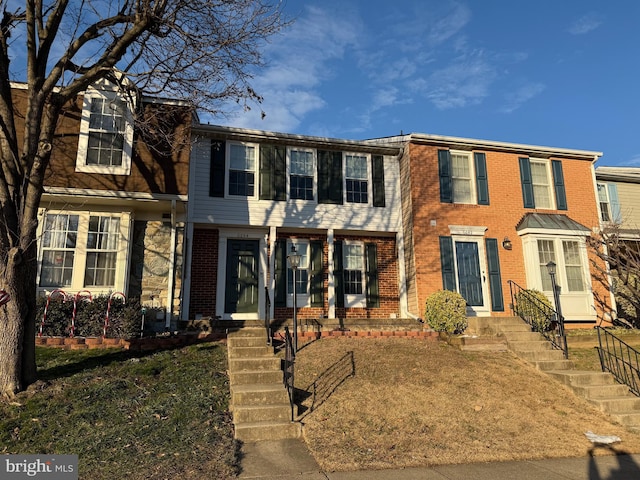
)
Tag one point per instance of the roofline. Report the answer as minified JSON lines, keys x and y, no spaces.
{"x":472,"y":143}
{"x":618,"y":174}
{"x":244,"y":134}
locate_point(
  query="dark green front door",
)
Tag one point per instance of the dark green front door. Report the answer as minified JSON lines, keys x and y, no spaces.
{"x":469,"y":277}
{"x":241,"y":293}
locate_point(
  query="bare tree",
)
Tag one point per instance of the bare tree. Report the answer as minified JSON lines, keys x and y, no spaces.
{"x":621,"y":273}
{"x":203,"y":51}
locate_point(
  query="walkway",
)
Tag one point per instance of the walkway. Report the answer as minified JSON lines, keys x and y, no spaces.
{"x":291,"y":460}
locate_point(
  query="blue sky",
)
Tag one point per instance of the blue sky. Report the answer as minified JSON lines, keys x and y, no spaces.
{"x":554,"y":73}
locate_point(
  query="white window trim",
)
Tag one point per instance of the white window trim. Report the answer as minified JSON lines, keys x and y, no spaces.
{"x":609,"y":212}
{"x":550,"y":186}
{"x":315,"y":174}
{"x":83,"y":140}
{"x":80,"y":255}
{"x":355,"y":300}
{"x":256,"y":170}
{"x":472,"y":176}
{"x":369,"y":178}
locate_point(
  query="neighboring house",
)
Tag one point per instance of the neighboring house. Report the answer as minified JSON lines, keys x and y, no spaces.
{"x":256,"y":195}
{"x":477,"y":214}
{"x":114,"y":202}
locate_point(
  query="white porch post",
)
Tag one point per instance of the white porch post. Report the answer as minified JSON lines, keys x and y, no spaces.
{"x":331,"y":287}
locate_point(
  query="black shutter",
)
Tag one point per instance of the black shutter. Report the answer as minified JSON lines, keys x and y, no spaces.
{"x":527,"y":183}
{"x":217,"y":171}
{"x":378,"y":180}
{"x":373,"y":291}
{"x":447,"y":264}
{"x":338,"y":279}
{"x":281,"y":273}
{"x":317,"y":274}
{"x":273,"y":173}
{"x":495,"y":279}
{"x":330,"y":177}
{"x":444,"y":171}
{"x":558,"y":184}
{"x":482,"y":183}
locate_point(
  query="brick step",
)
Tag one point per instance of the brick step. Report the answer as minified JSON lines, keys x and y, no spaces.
{"x":254,"y":364}
{"x":259,"y":394}
{"x":261,"y":413}
{"x":255,"y":377}
{"x":260,"y":431}
{"x":250,"y":352}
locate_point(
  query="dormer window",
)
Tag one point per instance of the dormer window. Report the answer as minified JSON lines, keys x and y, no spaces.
{"x":106,"y":134}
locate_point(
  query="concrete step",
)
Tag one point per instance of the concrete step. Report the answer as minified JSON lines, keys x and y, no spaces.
{"x":600,"y":391}
{"x":259,"y":394}
{"x":527,"y":336}
{"x":484,"y":343}
{"x":540,"y":355}
{"x":254,"y":364}
{"x":235,"y":342}
{"x":582,"y":377}
{"x":249,"y":332}
{"x":250,"y":352}
{"x":255,"y":377}
{"x":529,"y":346}
{"x":620,"y":404}
{"x":495,"y":325}
{"x":260,"y":431}
{"x":261,"y":413}
{"x":553,"y":365}
{"x":627,"y":419}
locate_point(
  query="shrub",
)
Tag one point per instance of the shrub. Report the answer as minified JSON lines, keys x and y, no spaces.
{"x":527,"y":306}
{"x":446,"y":312}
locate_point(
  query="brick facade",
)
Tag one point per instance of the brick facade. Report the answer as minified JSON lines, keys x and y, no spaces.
{"x":204,"y":272}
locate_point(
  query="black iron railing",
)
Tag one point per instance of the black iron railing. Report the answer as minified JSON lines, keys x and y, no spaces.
{"x":289,"y":369}
{"x":620,"y":359}
{"x":267,"y":315}
{"x":542,"y":318}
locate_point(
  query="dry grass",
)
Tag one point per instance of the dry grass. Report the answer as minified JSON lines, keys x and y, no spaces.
{"x":389,"y":403}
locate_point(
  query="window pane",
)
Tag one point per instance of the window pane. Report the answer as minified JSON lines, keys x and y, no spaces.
{"x":102,"y":248}
{"x":242,"y":157}
{"x":546,"y":254}
{"x":573,"y":266}
{"x":540,"y":180}
{"x":301,"y":163}
{"x":461,"y":176}
{"x":301,"y":188}
{"x":357,"y":191}
{"x":58,"y":249}
{"x":603,"y":198}
{"x":356,"y":167}
{"x":302,"y":273}
{"x":241,"y":183}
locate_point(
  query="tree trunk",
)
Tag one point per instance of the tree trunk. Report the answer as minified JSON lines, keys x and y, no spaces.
{"x":17,"y":317}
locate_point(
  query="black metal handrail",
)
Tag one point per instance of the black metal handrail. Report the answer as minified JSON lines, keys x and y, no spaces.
{"x":619,"y":358}
{"x":289,"y":369}
{"x":541,"y":317}
{"x":267,"y":315}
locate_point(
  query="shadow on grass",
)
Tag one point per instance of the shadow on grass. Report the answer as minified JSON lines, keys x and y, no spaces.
{"x":627,"y":467}
{"x":102,"y":359}
{"x":326,"y":384}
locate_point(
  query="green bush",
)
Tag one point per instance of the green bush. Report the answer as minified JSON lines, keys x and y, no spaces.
{"x":446,"y":311}
{"x":535,"y":308}
{"x":125,"y":318}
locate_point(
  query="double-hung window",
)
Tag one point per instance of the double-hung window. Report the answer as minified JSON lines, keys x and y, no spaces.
{"x":603,"y":202}
{"x":302,"y":272}
{"x":356,"y":178}
{"x":102,"y":251}
{"x":301,"y":174}
{"x":58,"y":250}
{"x":462,"y":178}
{"x":541,"y":184}
{"x":106,"y":134}
{"x":569,"y":261}
{"x":242,"y":169}
{"x":353,"y":268}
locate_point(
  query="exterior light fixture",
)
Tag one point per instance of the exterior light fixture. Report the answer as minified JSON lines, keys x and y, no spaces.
{"x":294,"y":262}
{"x":506,"y":244}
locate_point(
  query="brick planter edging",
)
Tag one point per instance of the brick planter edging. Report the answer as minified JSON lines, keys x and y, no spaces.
{"x":135,"y":344}
{"x":310,"y":336}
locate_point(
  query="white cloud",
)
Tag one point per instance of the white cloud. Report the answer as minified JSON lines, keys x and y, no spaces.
{"x":514,"y":100}
{"x":585,"y":24}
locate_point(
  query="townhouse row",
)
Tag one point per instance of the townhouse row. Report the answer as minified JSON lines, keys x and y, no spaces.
{"x":198,"y":220}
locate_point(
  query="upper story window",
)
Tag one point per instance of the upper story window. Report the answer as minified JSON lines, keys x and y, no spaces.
{"x":603,"y":202}
{"x":462,"y":177}
{"x":106,"y":134}
{"x":541,"y":184}
{"x":242,"y":169}
{"x":301,"y":174}
{"x":356,"y":178}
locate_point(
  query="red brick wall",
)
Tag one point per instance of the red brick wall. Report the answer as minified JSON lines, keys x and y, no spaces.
{"x":204,"y":272}
{"x":501,"y":216}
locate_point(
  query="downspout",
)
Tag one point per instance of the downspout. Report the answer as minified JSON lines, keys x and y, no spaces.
{"x":172,"y":266}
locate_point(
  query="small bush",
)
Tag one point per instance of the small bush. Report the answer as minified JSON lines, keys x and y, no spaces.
{"x":446,"y":312}
{"x":536,"y":311}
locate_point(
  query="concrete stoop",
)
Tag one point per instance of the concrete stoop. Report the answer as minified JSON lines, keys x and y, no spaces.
{"x":259,"y":400}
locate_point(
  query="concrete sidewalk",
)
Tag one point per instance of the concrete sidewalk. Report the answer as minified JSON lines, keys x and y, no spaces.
{"x":290,"y":459}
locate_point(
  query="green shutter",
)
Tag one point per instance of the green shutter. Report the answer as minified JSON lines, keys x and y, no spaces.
{"x":273,"y":173}
{"x":378,"y":180}
{"x":447,"y":264}
{"x":444,"y":171}
{"x":558,"y":184}
{"x":373,"y":291}
{"x":317,"y":274}
{"x":216,"y":174}
{"x":338,"y":279}
{"x":614,"y":203}
{"x":495,"y":279}
{"x":482,"y":183}
{"x":280,"y":274}
{"x":527,"y":183}
{"x":330,"y":177}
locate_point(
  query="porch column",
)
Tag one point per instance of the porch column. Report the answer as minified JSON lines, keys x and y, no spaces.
{"x":271,"y":261}
{"x":402,"y":276}
{"x":331,"y":287}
